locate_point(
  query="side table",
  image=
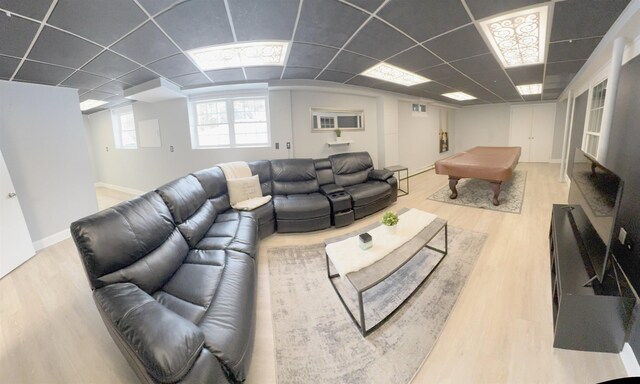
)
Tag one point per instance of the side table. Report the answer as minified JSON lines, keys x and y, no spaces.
{"x":398,"y":169}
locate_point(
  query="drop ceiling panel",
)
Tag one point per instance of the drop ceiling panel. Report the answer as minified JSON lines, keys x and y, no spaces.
{"x":140,"y":75}
{"x":530,"y":74}
{"x":415,"y":59}
{"x":498,"y":83}
{"x":572,"y":49}
{"x":191,"y":80}
{"x":338,"y":77}
{"x":84,"y":80}
{"x":97,"y":95}
{"x":21,"y":31}
{"x":351,"y":63}
{"x":145,"y":45}
{"x":173,"y":66}
{"x":481,"y":9}
{"x":254,"y":20}
{"x":197,"y":23}
{"x":435,"y":88}
{"x":369,"y":5}
{"x":314,"y":28}
{"x":263,"y":73}
{"x":42,"y":73}
{"x":35,"y":9}
{"x":367,"y":40}
{"x":109,"y":64}
{"x":363,"y":81}
{"x":565,"y":67}
{"x":459,"y":44}
{"x":532,"y":97}
{"x":477,"y":64}
{"x":8,"y":65}
{"x":226,"y":75}
{"x":574,"y":19}
{"x":61,"y":48}
{"x":307,"y":55}
{"x":439,"y":72}
{"x":155,"y":6}
{"x":424,"y":20}
{"x":114,"y":87}
{"x":97,"y":20}
{"x":300,"y":73}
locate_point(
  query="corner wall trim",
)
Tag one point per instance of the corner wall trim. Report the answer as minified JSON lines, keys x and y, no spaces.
{"x":119,"y":188}
{"x":629,"y":361}
{"x":51,"y":240}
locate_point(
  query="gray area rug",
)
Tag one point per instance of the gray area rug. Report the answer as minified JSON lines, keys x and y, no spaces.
{"x":316,"y":340}
{"x":478,"y":193}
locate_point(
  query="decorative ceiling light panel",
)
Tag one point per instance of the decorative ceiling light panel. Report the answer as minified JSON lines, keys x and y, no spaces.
{"x":530,"y":89}
{"x":460,"y":96}
{"x":252,"y":54}
{"x":90,"y":104}
{"x":391,"y":73}
{"x":518,"y":38}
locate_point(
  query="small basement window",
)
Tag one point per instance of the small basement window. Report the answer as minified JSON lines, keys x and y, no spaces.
{"x":323,"y":119}
{"x":124,"y":128}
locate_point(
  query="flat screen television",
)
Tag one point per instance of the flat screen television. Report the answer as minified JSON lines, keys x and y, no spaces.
{"x":597,"y":191}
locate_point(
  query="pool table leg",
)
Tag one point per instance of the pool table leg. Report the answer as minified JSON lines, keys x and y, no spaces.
{"x":495,"y":185}
{"x":453,"y":181}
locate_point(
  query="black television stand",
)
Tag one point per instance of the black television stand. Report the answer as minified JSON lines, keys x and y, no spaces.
{"x":590,"y":316}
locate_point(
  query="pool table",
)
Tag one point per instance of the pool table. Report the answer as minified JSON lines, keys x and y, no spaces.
{"x":494,"y":164}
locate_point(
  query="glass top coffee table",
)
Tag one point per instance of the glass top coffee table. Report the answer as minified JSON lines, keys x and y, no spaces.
{"x":369,"y":277}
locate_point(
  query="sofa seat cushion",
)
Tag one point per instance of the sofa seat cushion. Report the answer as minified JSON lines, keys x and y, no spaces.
{"x":369,"y":192}
{"x":301,"y":206}
{"x":229,"y":322}
{"x":233,"y":230}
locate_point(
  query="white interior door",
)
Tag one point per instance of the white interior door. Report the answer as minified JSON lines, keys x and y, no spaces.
{"x":15,"y":243}
{"x":543,"y":122}
{"x":520,"y":130}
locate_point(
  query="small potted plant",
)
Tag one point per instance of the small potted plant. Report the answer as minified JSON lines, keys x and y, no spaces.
{"x":390,"y":221}
{"x":338,"y":132}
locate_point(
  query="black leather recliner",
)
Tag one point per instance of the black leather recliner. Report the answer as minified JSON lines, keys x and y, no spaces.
{"x":371,"y":189}
{"x":173,"y":272}
{"x":297,"y":202}
{"x":178,"y":313}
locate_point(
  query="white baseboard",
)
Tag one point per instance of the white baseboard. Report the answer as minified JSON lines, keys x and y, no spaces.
{"x":420,"y":170}
{"x":119,"y":188}
{"x":629,"y":361}
{"x":50,"y":240}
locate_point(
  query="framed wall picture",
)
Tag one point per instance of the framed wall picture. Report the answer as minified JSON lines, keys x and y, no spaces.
{"x":444,"y":132}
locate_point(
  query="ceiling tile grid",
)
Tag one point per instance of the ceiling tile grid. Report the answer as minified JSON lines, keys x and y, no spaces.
{"x":103,"y":47}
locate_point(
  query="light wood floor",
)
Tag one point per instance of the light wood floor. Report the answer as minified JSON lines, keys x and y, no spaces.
{"x":500,"y":330}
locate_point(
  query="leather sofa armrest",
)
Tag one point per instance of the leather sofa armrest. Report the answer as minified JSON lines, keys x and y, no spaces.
{"x":328,"y":189}
{"x":380,"y":174}
{"x":165,"y":343}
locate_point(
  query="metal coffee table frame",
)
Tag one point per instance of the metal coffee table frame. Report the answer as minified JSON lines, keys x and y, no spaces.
{"x":361,"y":280}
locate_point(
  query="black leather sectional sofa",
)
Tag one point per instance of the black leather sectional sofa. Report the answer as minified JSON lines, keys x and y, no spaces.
{"x":173,"y":272}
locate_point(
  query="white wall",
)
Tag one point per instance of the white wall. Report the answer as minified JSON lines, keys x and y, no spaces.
{"x":144,"y":169}
{"x":558,"y":132}
{"x":418,"y":139}
{"x":43,"y":141}
{"x":485,"y":125}
{"x":314,"y":144}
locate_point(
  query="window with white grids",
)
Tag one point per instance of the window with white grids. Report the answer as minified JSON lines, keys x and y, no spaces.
{"x":231,"y":122}
{"x":124,"y":128}
{"x":596,"y":107}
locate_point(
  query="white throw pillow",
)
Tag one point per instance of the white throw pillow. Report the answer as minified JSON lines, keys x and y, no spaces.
{"x":251,"y":204}
{"x":244,"y":188}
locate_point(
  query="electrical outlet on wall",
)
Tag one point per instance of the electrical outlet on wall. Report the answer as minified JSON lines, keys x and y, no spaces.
{"x":288,"y":145}
{"x":622,"y":236}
